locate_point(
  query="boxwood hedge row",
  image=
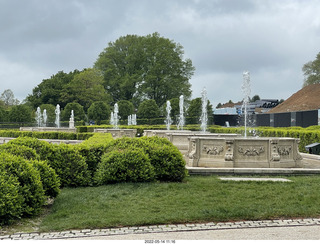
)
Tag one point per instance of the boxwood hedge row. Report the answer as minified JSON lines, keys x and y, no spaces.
{"x":32,"y":170}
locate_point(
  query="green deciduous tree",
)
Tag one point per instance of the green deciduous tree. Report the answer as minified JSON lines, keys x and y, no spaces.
{"x":85,"y":88}
{"x":140,"y":67}
{"x":311,"y":71}
{"x":99,"y":111}
{"x":195,"y":109}
{"x":49,"y":91}
{"x":148,"y":109}
{"x":126,"y":108}
{"x":20,"y":113}
{"x":77,"y":110}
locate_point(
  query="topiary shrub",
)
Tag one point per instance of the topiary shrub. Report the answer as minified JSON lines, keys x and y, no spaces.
{"x":20,"y":150}
{"x":30,"y":185}
{"x":42,"y":148}
{"x":49,"y":178}
{"x":10,"y":199}
{"x":69,"y":165}
{"x":93,"y":148}
{"x":124,"y":166}
{"x":65,"y":159}
{"x":168,"y":163}
{"x":166,"y":159}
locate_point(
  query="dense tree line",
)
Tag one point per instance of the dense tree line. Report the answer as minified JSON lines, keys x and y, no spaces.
{"x":140,"y":73}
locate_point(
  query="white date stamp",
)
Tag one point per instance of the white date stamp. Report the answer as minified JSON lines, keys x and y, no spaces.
{"x":159,"y":241}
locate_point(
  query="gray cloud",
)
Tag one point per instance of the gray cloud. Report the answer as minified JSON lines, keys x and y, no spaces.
{"x":271,"y":39}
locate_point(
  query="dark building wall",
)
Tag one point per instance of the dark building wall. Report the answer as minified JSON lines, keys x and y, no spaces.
{"x":220,"y":119}
{"x":302,"y":118}
{"x":309,"y":118}
{"x":263,"y":119}
{"x":282,"y":120}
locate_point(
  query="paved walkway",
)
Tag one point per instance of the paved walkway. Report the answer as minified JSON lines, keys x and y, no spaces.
{"x":166,"y":231}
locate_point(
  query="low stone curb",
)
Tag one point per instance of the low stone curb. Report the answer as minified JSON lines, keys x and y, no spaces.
{"x":161,"y":228}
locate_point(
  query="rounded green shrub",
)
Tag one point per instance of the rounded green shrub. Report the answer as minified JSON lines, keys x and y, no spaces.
{"x":124,"y":166}
{"x":65,"y":159}
{"x":10,"y":199}
{"x":42,"y":148}
{"x":30,"y":185}
{"x":20,"y":150}
{"x":166,"y":159}
{"x":168,"y":163}
{"x":49,"y":178}
{"x":93,"y":148}
{"x":69,"y":165}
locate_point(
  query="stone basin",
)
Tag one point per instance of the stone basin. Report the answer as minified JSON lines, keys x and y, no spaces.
{"x":237,"y":152}
{"x":117,"y":133}
{"x":43,"y":129}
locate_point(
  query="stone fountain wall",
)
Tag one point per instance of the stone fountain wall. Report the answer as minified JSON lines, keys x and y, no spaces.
{"x":43,"y":129}
{"x":244,"y":152}
{"x":117,"y":133}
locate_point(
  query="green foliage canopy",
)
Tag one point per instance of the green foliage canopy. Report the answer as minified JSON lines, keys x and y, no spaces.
{"x":148,"y":109}
{"x":99,"y":111}
{"x":77,"y":110}
{"x":311,"y":71}
{"x":49,"y":90}
{"x":85,"y":88}
{"x":126,"y":108}
{"x":140,"y":67}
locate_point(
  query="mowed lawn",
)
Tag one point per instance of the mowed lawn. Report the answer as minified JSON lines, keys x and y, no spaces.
{"x":197,"y":199}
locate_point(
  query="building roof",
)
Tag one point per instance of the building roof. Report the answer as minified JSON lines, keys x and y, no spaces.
{"x":308,"y":98}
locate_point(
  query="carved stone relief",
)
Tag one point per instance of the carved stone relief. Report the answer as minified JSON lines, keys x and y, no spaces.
{"x":284,"y":150}
{"x":251,"y":151}
{"x":212,"y":150}
{"x":229,"y":152}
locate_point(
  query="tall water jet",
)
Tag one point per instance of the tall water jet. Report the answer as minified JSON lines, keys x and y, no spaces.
{"x":246,"y":90}
{"x":181,"y":122}
{"x":115,"y":116}
{"x":204,"y":113}
{"x":112,"y":119}
{"x":45,"y":117}
{"x":134,"y":119}
{"x":168,"y":120}
{"x":38,"y":117}
{"x":57,"y":111}
{"x":130,"y":119}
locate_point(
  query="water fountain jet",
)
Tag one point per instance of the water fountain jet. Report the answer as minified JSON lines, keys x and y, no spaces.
{"x":204,"y":113}
{"x":246,"y":90}
{"x":168,"y":120}
{"x":181,"y":115}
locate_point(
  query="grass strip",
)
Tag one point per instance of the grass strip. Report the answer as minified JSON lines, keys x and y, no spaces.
{"x":197,"y":199}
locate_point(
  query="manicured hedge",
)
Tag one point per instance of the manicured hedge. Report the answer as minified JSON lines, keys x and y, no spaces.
{"x":65,"y":159}
{"x":166,"y":159}
{"x":46,"y":134}
{"x":124,"y":166}
{"x":93,"y":149}
{"x":30,"y":185}
{"x":10,"y":198}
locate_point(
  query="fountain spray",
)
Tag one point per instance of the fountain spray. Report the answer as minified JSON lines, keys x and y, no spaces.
{"x":246,"y":89}
{"x":168,"y":120}
{"x":204,"y":113}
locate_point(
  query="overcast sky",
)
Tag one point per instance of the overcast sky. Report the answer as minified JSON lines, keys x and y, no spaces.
{"x":272,"y":39}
